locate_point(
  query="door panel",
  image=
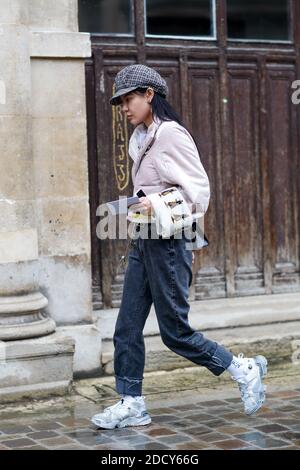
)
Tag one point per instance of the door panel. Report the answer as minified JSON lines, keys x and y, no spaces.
{"x":283,"y":155}
{"x":247,"y":222}
{"x":204,"y":105}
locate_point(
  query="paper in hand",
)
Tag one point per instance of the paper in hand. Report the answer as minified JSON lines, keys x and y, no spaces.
{"x":120,"y":206}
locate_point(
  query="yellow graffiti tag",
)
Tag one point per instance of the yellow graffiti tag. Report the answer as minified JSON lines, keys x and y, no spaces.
{"x":120,"y":146}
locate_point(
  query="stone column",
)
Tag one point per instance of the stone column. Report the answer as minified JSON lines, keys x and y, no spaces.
{"x":58,"y":54}
{"x":21,"y":302}
{"x":45,"y":265}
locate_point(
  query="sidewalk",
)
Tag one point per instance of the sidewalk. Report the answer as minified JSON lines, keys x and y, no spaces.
{"x":190,"y":409}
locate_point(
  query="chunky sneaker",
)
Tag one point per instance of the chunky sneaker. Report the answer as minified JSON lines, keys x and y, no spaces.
{"x":122,"y":414}
{"x":250,"y":383}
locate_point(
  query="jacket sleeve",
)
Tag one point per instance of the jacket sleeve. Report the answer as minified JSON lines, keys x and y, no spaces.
{"x":178,"y":164}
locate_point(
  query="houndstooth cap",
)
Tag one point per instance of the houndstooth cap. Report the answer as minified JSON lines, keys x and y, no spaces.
{"x":135,"y":76}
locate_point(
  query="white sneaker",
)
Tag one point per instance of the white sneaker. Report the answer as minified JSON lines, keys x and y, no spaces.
{"x":250,"y":383}
{"x":122,"y":414}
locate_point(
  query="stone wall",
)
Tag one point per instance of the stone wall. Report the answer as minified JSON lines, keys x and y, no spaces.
{"x":44,"y":210}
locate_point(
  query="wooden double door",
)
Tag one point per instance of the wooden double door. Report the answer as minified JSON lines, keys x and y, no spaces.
{"x":235,"y":98}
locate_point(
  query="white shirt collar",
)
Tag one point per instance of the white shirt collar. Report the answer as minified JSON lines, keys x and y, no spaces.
{"x":141,"y":137}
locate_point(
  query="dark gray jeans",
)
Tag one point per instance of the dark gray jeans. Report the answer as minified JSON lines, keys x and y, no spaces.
{"x":159,"y":271}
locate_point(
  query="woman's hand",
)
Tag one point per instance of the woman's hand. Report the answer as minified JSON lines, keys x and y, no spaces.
{"x":145,"y":205}
{"x":193,"y":257}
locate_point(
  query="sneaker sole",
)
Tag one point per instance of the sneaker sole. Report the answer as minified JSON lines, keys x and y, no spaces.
{"x":123,"y":424}
{"x":134,"y":422}
{"x":262,"y":364}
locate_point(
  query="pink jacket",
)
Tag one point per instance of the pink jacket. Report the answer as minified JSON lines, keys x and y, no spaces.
{"x":172,"y":160}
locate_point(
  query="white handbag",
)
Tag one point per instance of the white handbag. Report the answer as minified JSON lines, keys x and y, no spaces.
{"x":171,"y":212}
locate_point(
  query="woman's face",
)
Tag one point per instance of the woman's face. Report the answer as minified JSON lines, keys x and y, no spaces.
{"x":137,"y":107}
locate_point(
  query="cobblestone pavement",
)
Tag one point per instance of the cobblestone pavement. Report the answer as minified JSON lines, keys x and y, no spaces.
{"x":190,"y":419}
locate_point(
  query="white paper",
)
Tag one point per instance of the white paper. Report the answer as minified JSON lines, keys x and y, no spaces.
{"x":120,"y":206}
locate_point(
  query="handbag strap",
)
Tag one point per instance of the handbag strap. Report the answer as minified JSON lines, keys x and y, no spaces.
{"x":147,"y":150}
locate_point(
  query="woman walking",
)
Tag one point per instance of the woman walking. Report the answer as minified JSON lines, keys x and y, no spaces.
{"x":160,"y":269}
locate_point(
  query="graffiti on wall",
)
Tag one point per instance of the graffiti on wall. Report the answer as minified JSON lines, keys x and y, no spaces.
{"x":120,"y":147}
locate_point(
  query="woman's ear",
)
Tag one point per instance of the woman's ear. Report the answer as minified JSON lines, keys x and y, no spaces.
{"x":150,"y":94}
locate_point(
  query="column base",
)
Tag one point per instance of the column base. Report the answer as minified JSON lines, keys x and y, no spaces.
{"x":21,"y":317}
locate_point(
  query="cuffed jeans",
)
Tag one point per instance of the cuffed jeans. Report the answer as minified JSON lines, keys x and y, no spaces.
{"x":159,"y":271}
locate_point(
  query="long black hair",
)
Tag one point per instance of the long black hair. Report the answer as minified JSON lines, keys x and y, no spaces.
{"x":163,"y":110}
{"x":161,"y":107}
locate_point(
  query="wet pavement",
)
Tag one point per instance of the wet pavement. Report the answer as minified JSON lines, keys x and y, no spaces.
{"x":188,"y":419}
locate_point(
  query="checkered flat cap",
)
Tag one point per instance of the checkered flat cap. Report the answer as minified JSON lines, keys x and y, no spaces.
{"x":135,"y":76}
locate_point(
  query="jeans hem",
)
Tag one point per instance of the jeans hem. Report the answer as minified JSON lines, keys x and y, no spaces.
{"x":128,"y":386}
{"x":220,"y":360}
